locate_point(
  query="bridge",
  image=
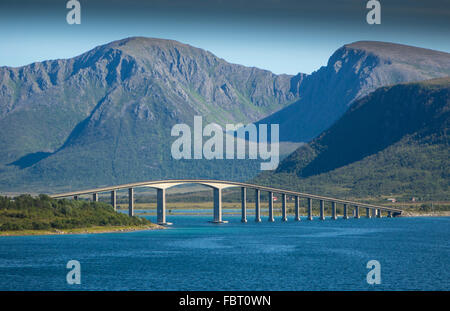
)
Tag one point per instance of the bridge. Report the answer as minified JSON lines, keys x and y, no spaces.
{"x":218,"y":185}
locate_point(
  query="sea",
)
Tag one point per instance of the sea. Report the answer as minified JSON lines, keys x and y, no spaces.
{"x":411,"y":253}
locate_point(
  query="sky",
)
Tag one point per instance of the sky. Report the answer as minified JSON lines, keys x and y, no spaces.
{"x":283,"y":36}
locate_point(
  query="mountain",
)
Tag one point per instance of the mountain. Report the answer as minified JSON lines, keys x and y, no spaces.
{"x":106,"y":115}
{"x":352,"y":72}
{"x":394,"y":141}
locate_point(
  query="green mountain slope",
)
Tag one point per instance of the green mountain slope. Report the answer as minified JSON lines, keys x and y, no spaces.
{"x":352,"y":72}
{"x":106,"y":115}
{"x":393,"y":141}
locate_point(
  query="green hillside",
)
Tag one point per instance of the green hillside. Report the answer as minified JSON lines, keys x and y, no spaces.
{"x":106,"y":116}
{"x":395,"y":141}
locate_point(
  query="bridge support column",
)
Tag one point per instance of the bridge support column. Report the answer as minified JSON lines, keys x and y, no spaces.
{"x":310,"y":217}
{"x":161,"y":207}
{"x":297,"y":208}
{"x":218,"y":206}
{"x":322,"y":210}
{"x":244,"y":204}
{"x":356,"y":211}
{"x":131,"y":202}
{"x":333,"y":210}
{"x":373,"y":212}
{"x":113,"y":199}
{"x":257,"y":206}
{"x":95,"y":197}
{"x":378,"y":213}
{"x":389,"y":214}
{"x":283,"y":207}
{"x":345,"y":212}
{"x":367,"y":212}
{"x":271,"y":219}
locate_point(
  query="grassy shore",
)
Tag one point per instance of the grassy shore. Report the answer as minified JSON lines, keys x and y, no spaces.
{"x":426,"y":214}
{"x":88,"y":230}
{"x":26,"y":215}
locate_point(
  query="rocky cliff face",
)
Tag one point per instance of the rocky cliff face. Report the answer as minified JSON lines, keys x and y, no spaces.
{"x":107,"y":114}
{"x":352,"y":72}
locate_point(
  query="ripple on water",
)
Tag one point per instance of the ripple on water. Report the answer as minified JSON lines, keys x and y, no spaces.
{"x":200,"y":243}
{"x":334,"y":232}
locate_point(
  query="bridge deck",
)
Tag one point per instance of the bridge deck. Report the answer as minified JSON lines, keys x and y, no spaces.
{"x":225,"y":184}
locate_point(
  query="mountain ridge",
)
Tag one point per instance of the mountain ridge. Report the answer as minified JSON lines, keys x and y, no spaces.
{"x":121,"y":99}
{"x":104,"y":116}
{"x":352,"y":72}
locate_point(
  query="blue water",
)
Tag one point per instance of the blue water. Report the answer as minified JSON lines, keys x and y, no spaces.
{"x":193,"y":254}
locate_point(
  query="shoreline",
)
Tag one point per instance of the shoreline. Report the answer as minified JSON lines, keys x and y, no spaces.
{"x":86,"y":230}
{"x":425,"y":214}
{"x":124,"y":229}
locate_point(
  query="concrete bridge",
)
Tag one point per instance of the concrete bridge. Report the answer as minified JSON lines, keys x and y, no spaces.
{"x":218,"y":185}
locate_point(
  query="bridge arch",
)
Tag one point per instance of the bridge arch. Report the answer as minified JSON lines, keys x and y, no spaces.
{"x":162,"y":186}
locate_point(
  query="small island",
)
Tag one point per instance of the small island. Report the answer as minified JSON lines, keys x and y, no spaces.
{"x":27,"y":215}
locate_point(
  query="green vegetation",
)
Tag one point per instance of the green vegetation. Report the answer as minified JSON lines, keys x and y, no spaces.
{"x":46,"y":214}
{"x":102,"y":118}
{"x":391,"y":143}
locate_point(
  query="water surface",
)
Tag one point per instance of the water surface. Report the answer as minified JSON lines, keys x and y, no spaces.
{"x":193,"y":254}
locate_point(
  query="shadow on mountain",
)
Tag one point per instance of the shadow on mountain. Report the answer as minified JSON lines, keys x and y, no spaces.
{"x":374,"y":123}
{"x":30,"y":159}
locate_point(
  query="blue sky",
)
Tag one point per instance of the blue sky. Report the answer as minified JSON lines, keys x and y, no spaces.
{"x":284,"y":36}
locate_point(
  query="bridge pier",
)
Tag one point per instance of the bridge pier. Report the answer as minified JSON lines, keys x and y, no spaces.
{"x":217,"y":205}
{"x":345,"y":211}
{"x":161,"y":207}
{"x":297,"y":208}
{"x":283,"y":207}
{"x":322,"y":210}
{"x":373,"y":212}
{"x":257,"y":206}
{"x":131,"y":202}
{"x":356,"y":211}
{"x":271,"y":219}
{"x":244,"y":204}
{"x":378,"y":213}
{"x":95,"y":197}
{"x":367,"y":212}
{"x":333,"y":210}
{"x":389,"y":214}
{"x":310,"y":217}
{"x":113,"y":199}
